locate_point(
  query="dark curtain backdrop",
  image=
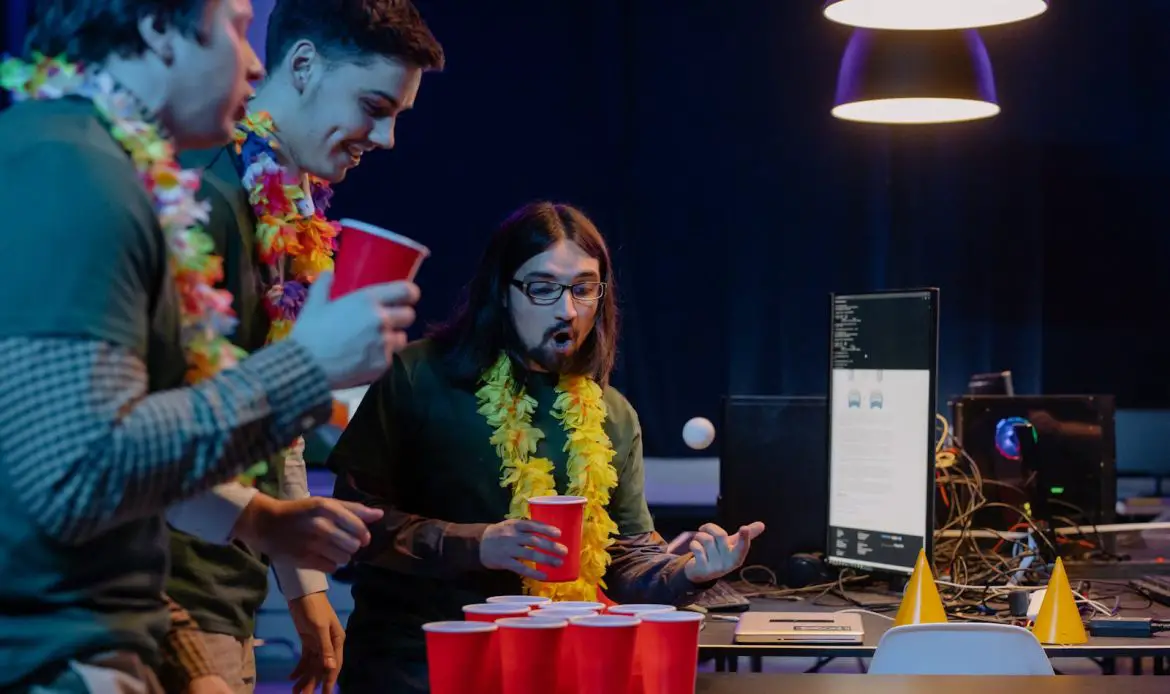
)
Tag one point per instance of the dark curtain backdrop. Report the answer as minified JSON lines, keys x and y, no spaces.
{"x":698,"y":136}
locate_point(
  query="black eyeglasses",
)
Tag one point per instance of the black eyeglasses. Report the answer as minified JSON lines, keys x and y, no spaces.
{"x":545,"y":292}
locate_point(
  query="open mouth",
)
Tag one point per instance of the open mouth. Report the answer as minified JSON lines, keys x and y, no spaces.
{"x":562,"y":341}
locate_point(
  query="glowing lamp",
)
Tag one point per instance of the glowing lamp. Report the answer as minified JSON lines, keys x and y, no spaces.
{"x":915,"y":77}
{"x":925,"y":15}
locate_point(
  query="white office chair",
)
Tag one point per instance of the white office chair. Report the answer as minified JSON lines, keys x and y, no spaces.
{"x":961,"y":648}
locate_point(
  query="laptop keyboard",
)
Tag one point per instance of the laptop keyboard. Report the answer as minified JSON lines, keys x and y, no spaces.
{"x":1156,"y":588}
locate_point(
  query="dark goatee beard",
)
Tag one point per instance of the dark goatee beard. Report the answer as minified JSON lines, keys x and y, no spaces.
{"x":551,"y":361}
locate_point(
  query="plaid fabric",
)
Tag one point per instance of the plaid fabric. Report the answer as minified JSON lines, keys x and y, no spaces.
{"x":86,"y":447}
{"x":184,"y":657}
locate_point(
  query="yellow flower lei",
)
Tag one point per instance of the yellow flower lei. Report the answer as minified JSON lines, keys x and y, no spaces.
{"x":582,"y":412}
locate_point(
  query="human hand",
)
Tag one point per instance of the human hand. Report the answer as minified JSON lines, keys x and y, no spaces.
{"x":208,"y":684}
{"x":509,"y":544}
{"x":354,"y":337}
{"x":317,"y":532}
{"x":716,"y":553}
{"x":322,"y":643}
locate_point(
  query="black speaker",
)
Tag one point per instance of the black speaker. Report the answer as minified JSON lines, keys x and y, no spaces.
{"x":773,"y":467}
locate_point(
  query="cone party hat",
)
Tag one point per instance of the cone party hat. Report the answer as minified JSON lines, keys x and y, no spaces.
{"x":1059,"y":621}
{"x":921,"y":603}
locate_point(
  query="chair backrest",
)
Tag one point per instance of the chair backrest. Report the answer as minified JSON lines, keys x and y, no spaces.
{"x":962,"y":648}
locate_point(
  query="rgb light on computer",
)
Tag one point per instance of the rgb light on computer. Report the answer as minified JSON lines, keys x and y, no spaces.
{"x":1007,"y":442}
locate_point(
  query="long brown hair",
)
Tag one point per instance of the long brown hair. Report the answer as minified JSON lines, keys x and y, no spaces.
{"x":482,"y":326}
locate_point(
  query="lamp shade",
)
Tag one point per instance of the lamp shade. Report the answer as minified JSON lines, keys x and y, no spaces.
{"x":915,"y":77}
{"x":931,"y":14}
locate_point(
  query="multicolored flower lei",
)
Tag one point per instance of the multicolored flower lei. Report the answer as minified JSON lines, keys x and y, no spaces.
{"x":294,"y":240}
{"x":205,"y":312}
{"x":582,"y":412}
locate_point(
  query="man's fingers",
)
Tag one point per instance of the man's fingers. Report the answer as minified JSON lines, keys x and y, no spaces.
{"x":342,"y":514}
{"x":396,"y":318}
{"x":328,"y":661}
{"x":541,"y":542}
{"x":515,"y":566}
{"x":392,"y":293}
{"x":708,"y":543}
{"x":699,"y":552}
{"x":364,"y":513}
{"x":529,"y":554}
{"x":528,"y":526}
{"x":338,"y":635}
{"x":754,"y":530}
{"x":712,"y":530}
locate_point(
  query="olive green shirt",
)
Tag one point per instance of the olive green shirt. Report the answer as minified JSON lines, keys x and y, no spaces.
{"x":417,"y":448}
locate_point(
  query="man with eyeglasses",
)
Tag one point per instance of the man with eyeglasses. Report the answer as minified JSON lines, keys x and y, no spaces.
{"x":489,"y":411}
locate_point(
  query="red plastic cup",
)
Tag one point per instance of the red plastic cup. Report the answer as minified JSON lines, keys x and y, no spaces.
{"x":578,"y":605}
{"x":670,"y":651}
{"x":462,"y":657}
{"x":492,"y":611}
{"x":372,"y":255}
{"x":637,"y":610}
{"x":605,"y":652}
{"x":567,"y":514}
{"x":530,"y":654}
{"x":562,"y":612}
{"x":533,"y":600}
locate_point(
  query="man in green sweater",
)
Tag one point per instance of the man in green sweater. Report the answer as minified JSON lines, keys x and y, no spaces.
{"x":340,"y":72}
{"x":102,"y":428}
{"x":522,"y":370}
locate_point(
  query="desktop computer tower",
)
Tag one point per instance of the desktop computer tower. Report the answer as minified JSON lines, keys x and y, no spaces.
{"x":1057,"y":453}
{"x":773,"y":467}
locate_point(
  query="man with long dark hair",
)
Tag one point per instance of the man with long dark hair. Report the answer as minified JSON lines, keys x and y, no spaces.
{"x":507,"y":401}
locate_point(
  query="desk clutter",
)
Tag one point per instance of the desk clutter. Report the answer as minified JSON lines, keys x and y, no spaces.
{"x":530,"y":645}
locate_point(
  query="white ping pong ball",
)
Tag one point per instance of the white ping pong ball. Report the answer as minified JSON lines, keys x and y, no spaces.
{"x":698,"y":433}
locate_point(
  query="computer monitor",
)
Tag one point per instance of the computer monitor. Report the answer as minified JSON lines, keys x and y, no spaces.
{"x":883,"y":370}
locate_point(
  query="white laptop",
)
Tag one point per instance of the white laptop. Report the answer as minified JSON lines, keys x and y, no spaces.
{"x":799,"y":627}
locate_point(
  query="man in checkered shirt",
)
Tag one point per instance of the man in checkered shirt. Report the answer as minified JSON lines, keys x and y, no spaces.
{"x":98,"y":435}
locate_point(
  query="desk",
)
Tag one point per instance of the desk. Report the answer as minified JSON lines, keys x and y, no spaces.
{"x":717,"y":640}
{"x":714,"y":683}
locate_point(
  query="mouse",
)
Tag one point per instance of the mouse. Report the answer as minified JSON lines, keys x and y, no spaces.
{"x":807,"y":569}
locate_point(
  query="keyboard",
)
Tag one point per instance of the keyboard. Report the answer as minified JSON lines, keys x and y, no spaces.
{"x":1156,"y":588}
{"x":723,"y":598}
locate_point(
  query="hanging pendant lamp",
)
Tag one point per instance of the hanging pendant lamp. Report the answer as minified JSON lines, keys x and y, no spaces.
{"x":931,"y":14}
{"x":915,"y":77}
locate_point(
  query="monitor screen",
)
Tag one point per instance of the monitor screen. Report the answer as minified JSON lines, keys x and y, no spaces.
{"x":881,"y":428}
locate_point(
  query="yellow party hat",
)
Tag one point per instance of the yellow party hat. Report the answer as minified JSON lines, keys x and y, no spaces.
{"x":921,"y":603}
{"x":1059,"y":621}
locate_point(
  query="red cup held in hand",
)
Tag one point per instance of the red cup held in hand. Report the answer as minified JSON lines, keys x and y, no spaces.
{"x":462,"y":657}
{"x":567,"y":514}
{"x":372,"y":255}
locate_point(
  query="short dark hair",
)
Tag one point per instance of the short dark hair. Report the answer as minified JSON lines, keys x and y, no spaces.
{"x":481,"y":328}
{"x":353,"y":30}
{"x":89,"y":31}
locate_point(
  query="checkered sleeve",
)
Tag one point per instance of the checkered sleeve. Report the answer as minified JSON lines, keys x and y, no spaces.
{"x":85,"y":447}
{"x":184,"y":656}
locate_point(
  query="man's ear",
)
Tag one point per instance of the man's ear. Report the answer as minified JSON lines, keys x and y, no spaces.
{"x":304,"y":64}
{"x":158,"y":37}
